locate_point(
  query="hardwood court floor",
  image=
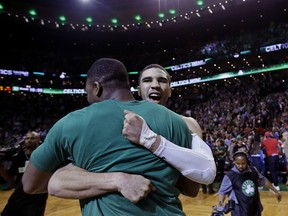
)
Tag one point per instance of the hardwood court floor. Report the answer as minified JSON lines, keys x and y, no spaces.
{"x":199,"y":206}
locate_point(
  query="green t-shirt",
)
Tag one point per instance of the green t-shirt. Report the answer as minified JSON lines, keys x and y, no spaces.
{"x":92,"y":138}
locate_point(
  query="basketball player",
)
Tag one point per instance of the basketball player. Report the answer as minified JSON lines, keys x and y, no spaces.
{"x":154,"y":86}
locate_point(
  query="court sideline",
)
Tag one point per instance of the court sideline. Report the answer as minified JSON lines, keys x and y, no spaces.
{"x":199,"y":206}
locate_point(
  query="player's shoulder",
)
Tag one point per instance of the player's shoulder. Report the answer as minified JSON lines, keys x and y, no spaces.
{"x":193,"y":125}
{"x":189,"y":120}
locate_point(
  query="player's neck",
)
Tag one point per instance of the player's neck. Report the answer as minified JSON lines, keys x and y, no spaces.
{"x":122,"y":95}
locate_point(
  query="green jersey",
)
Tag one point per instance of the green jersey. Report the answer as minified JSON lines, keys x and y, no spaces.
{"x":92,"y":139}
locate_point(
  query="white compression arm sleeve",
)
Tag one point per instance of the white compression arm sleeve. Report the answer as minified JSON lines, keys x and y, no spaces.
{"x":196,"y":164}
{"x":147,"y":137}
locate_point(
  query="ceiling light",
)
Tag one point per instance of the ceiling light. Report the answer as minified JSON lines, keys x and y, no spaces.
{"x":114,"y":21}
{"x":199,"y":2}
{"x":32,"y":12}
{"x":161,"y":15}
{"x":89,"y":19}
{"x":62,"y":18}
{"x":137,"y":18}
{"x":172,"y":11}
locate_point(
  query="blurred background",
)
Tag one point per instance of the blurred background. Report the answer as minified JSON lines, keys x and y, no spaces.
{"x":228,"y":61}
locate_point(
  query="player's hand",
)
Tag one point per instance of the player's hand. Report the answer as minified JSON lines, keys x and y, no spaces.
{"x":135,"y":187}
{"x":132,"y":126}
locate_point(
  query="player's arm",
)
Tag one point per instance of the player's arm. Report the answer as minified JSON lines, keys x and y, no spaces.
{"x":193,"y":125}
{"x":35,"y":181}
{"x":196,"y":164}
{"x":73,"y":182}
{"x":76,"y":189}
{"x":188,"y":187}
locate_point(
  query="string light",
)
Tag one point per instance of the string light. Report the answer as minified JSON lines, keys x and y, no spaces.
{"x":170,"y":14}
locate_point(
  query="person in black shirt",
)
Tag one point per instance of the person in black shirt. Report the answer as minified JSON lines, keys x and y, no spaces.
{"x":21,"y":203}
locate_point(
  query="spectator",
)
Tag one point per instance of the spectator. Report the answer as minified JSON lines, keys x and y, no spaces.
{"x":285,"y":148}
{"x":257,"y":157}
{"x":220,"y":153}
{"x":21,"y":203}
{"x":272,"y":147}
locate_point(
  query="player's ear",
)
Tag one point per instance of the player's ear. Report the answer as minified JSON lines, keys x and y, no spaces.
{"x":98,"y":89}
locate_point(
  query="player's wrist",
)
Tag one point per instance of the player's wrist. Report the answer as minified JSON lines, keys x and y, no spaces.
{"x":147,"y":136}
{"x":121,"y":180}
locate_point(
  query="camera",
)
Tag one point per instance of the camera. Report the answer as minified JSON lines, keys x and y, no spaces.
{"x":7,"y":154}
{"x":220,"y":210}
